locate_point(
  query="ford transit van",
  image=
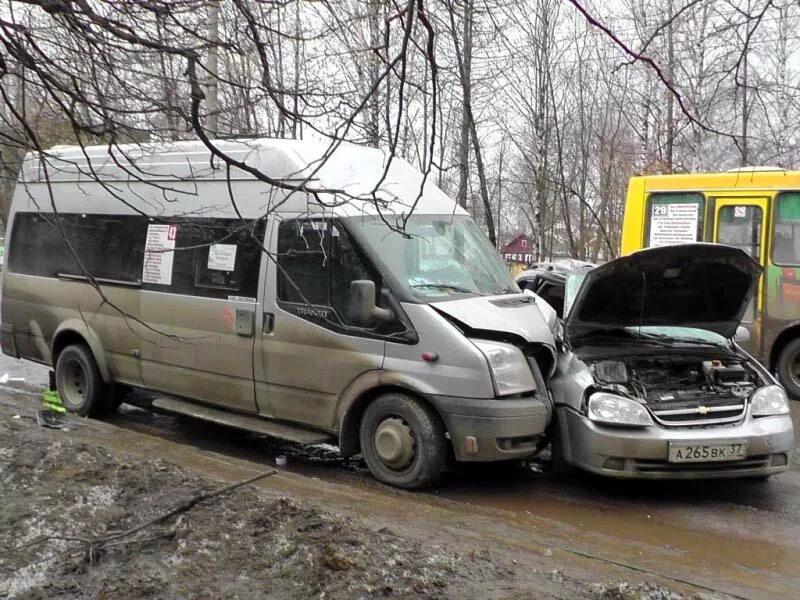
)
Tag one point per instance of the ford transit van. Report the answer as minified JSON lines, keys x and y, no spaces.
{"x":283,"y":289}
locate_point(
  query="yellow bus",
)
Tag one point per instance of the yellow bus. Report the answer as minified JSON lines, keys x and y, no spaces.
{"x":756,"y":209}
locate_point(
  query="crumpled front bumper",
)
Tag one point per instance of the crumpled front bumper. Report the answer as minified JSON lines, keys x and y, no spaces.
{"x":643,"y":452}
{"x":494,"y":429}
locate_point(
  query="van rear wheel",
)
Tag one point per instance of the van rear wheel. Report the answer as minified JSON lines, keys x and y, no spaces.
{"x":789,"y":368}
{"x":80,"y":384}
{"x":403,"y":442}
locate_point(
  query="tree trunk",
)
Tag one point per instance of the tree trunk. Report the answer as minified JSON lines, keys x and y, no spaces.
{"x":212,"y":109}
{"x":465,"y":65}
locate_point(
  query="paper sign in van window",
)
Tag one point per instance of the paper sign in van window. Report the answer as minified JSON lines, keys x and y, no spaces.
{"x":673,"y":224}
{"x":222,"y":257}
{"x":159,"y":252}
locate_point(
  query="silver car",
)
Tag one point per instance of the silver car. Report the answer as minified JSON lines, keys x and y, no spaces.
{"x":651,"y":382}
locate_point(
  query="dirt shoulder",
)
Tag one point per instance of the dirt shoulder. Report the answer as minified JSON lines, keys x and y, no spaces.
{"x":80,"y":518}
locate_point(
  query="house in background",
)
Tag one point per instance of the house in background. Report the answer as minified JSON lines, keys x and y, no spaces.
{"x":519,"y":253}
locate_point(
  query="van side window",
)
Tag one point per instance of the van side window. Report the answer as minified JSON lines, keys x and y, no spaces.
{"x":303,"y":247}
{"x":317,"y":261}
{"x":227,"y":247}
{"x":108,"y":246}
{"x":346,"y":267}
{"x":215,"y":258}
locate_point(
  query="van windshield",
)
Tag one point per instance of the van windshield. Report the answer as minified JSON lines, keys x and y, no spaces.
{"x":437,"y":256}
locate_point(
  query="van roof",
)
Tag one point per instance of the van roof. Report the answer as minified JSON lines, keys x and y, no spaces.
{"x":363,"y":179}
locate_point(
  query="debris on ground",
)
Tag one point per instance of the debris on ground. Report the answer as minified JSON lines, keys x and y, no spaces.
{"x":642,"y":591}
{"x":52,"y":419}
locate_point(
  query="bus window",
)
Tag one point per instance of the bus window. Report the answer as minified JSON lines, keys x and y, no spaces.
{"x":674,"y":219}
{"x":786,"y":232}
{"x":740,"y":226}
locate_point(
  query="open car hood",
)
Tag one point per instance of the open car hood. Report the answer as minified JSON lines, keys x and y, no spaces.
{"x":707,"y":286}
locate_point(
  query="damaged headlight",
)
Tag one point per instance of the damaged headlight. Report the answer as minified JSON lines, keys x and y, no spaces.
{"x":616,"y":410}
{"x":509,"y":367}
{"x":768,"y":401}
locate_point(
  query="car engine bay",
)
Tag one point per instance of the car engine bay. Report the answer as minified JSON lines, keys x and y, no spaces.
{"x":670,"y":378}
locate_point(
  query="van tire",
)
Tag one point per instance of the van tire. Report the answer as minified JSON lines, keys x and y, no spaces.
{"x":789,"y":368}
{"x":412,"y":437}
{"x":79,"y":383}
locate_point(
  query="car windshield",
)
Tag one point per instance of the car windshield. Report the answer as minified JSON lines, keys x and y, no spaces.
{"x":438,"y":256}
{"x":574,"y":281}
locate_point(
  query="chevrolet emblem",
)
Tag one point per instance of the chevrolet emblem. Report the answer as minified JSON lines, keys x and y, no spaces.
{"x":703,"y":410}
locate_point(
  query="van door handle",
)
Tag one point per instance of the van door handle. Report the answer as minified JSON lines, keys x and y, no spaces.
{"x":245,"y":322}
{"x":268,"y":324}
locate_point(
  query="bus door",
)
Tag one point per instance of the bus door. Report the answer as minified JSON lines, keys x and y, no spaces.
{"x":741,"y":222}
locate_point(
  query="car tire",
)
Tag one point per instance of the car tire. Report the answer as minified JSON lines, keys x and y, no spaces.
{"x":80,"y":385}
{"x":403,"y":442}
{"x":789,"y":368}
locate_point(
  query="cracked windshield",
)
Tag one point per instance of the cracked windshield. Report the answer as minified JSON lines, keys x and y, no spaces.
{"x":438,"y":257}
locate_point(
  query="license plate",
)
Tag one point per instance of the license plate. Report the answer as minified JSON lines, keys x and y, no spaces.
{"x":684,"y":452}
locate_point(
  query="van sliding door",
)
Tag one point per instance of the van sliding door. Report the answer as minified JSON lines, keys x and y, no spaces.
{"x":199,"y":298}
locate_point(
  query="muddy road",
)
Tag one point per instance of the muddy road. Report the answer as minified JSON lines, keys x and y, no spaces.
{"x":732,"y":538}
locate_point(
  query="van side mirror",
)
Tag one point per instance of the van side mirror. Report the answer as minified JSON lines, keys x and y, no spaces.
{"x":361,"y":307}
{"x":742,"y":335}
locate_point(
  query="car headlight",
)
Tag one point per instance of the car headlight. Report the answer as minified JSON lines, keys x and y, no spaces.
{"x":769,"y":400}
{"x":509,"y":367}
{"x":616,"y":410}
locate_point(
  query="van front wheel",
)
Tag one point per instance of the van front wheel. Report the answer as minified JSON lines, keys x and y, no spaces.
{"x":403,"y":442}
{"x":79,"y":382}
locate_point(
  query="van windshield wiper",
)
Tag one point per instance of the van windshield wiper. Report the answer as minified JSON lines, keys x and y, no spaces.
{"x":444,"y":286}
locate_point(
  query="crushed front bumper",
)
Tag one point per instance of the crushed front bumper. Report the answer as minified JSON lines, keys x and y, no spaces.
{"x":494,"y":430}
{"x":642,"y":453}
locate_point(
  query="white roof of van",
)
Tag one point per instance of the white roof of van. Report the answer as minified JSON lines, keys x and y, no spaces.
{"x":352,"y":172}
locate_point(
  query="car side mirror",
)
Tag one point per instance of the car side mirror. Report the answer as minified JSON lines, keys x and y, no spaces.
{"x":742,"y":335}
{"x":361,"y":307}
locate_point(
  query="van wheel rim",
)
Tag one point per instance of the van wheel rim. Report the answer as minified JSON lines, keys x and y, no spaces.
{"x":74,"y":384}
{"x":394,"y":443}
